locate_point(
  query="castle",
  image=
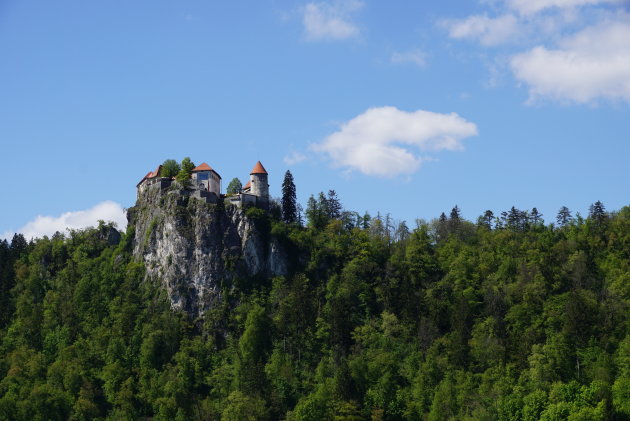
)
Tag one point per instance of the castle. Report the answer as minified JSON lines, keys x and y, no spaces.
{"x":206,"y":186}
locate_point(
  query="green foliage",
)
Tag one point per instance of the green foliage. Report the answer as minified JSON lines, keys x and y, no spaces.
{"x":185,"y":173}
{"x":319,"y":212}
{"x":289,"y":199}
{"x":170,"y":168}
{"x":507,"y":319}
{"x":240,"y":407}
{"x":234,"y":187}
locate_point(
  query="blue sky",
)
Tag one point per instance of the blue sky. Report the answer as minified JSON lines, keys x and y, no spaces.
{"x":403,"y":107}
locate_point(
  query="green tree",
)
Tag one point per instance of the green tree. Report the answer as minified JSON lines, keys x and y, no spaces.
{"x":240,"y":407}
{"x":254,"y":346}
{"x":564,"y":217}
{"x":348,"y":411}
{"x":7,"y":281}
{"x":333,"y":205}
{"x":234,"y":187}
{"x":536,"y":217}
{"x":444,"y":406}
{"x":170,"y":168}
{"x":441,"y":227}
{"x":289,"y":199}
{"x":597,"y":212}
{"x":486,"y":219}
{"x":366,"y":219}
{"x":317,"y":211}
{"x":456,"y":214}
{"x":184,"y":175}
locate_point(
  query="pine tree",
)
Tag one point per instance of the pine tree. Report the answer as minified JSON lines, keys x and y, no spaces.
{"x":517,"y":219}
{"x":456,"y":214}
{"x":18,"y":245}
{"x":184,"y":175}
{"x":597,"y":212}
{"x":486,"y":219}
{"x":300,"y":215}
{"x":441,"y":230}
{"x":315,"y":214}
{"x":402,"y":232}
{"x":564,"y":216}
{"x":367,"y":219}
{"x":289,"y":199}
{"x":334,"y":205}
{"x":536,"y":217}
{"x":454,"y":221}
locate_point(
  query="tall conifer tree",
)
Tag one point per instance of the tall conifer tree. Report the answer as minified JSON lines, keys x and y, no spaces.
{"x":289,"y":200}
{"x":564,"y":216}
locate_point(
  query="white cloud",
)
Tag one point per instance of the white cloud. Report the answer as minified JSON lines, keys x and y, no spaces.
{"x":330,"y":20}
{"x":384,"y":141}
{"x":48,"y":225}
{"x":592,"y":64}
{"x":565,"y":50}
{"x":416,"y":57}
{"x":487,"y":30}
{"x":528,"y":7}
{"x":294,"y":157}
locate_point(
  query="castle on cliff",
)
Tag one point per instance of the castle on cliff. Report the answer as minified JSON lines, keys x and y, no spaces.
{"x":206,"y":185}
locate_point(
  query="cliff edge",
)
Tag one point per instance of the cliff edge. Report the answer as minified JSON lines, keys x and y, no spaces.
{"x":195,"y":249}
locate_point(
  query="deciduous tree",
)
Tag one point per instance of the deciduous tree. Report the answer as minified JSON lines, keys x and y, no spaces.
{"x":170,"y":168}
{"x":234,"y":187}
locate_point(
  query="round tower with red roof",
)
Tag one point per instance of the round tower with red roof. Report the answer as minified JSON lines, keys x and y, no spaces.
{"x":259,"y":184}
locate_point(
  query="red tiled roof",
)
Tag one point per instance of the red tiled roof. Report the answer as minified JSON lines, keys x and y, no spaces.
{"x":202,"y":167}
{"x":259,"y":169}
{"x":205,"y":167}
{"x":156,"y":172}
{"x":144,"y":178}
{"x":247,"y":186}
{"x":151,"y":174}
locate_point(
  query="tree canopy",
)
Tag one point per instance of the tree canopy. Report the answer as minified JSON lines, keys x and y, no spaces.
{"x":504,"y":319}
{"x":234,"y":187}
{"x":170,"y":168}
{"x":185,"y":173}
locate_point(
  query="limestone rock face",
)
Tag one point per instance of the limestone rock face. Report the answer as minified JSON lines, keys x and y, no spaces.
{"x":195,"y":249}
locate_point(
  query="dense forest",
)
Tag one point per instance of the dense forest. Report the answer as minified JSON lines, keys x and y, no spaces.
{"x":503,"y":318}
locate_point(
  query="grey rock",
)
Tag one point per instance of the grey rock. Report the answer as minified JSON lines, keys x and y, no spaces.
{"x":195,"y":249}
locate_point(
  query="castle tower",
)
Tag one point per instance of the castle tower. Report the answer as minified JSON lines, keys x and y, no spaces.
{"x":259,"y":184}
{"x":207,"y":178}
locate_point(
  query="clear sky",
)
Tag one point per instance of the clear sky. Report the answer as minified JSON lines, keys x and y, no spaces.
{"x":402,"y":107}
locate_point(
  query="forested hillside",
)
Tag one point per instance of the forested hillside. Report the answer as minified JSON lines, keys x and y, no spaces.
{"x":503,"y":318}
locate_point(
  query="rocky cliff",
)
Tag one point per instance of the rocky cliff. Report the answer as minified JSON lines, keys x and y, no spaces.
{"x":194,"y":249}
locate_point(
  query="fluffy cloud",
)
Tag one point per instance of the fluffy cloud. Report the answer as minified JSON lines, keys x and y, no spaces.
{"x":416,"y":57}
{"x":565,"y":50}
{"x":384,"y":141}
{"x":486,"y":30}
{"x":330,"y":20}
{"x":48,"y":225}
{"x":592,"y":64}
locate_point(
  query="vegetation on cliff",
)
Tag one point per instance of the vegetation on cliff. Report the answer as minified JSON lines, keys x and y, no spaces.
{"x":502,"y":319}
